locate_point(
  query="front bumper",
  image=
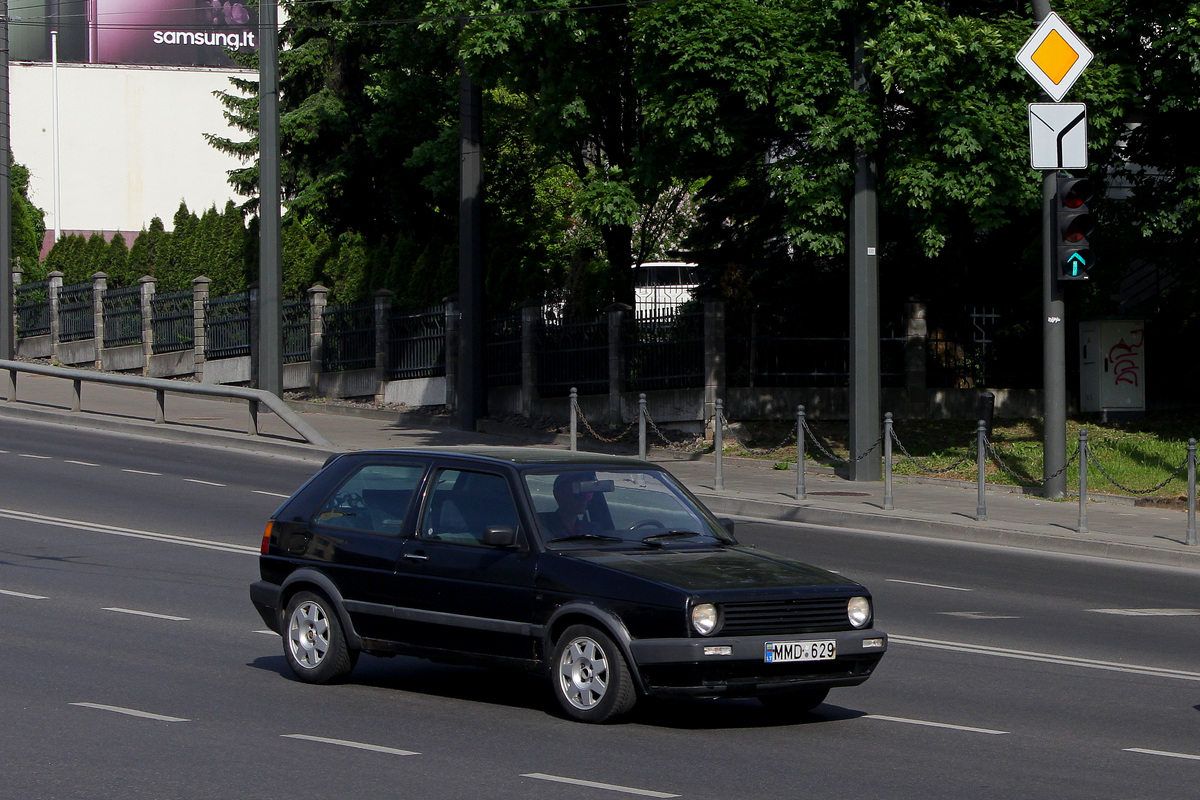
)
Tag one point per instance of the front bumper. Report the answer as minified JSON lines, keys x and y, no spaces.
{"x":681,"y":666}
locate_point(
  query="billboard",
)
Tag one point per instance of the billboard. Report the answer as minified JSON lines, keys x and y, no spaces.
{"x":198,"y":33}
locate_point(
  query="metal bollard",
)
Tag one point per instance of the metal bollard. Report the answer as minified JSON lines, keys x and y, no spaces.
{"x":719,"y":446}
{"x":981,"y":461}
{"x":574,"y":422}
{"x":1191,"y":456}
{"x":888,"y":503}
{"x":1083,"y":456}
{"x":642,"y":426}
{"x":801,"y":489}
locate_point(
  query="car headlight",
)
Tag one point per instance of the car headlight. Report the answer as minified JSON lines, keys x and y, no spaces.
{"x":706,"y":619}
{"x":858,"y":609}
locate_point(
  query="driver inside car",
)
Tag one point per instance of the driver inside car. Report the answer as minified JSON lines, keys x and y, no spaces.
{"x":572,"y":504}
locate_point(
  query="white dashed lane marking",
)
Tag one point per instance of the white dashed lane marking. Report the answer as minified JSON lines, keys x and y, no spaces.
{"x":31,"y":455}
{"x":928,"y":585}
{"x":375,"y":748}
{"x":150,"y":614}
{"x":131,"y":712}
{"x":82,"y":463}
{"x":928,"y":724}
{"x":23,"y":595}
{"x":205,"y":483}
{"x":1148,"y":612}
{"x":612,"y":787}
{"x":1166,"y":753}
{"x":140,"y":472}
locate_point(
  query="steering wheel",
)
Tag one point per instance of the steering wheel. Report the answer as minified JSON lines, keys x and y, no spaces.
{"x":647,"y":523}
{"x":349,"y":500}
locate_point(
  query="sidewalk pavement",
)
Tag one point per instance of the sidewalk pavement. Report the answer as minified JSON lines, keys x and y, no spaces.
{"x":751,"y":488}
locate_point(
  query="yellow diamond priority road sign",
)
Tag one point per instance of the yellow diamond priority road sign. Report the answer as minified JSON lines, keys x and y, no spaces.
{"x":1054,"y":56}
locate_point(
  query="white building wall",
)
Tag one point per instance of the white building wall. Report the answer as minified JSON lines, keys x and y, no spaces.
{"x":131,"y":142}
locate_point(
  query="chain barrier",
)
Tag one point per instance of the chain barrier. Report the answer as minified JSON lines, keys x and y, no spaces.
{"x":817,"y":441}
{"x":1021,"y":479}
{"x":791,"y":437}
{"x":623,"y":434}
{"x":654,"y":427}
{"x":971,"y":454}
{"x":1096,"y":463}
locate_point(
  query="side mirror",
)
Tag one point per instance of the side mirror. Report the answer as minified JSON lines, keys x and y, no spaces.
{"x":499,"y":536}
{"x":727,"y":524}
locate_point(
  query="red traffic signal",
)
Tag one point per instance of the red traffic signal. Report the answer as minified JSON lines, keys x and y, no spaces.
{"x":1075,"y":224}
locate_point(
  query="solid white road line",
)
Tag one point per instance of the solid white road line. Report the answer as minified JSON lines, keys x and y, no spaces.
{"x":113,"y":530}
{"x":929,"y":724}
{"x":22,"y":594}
{"x":147,"y":614}
{"x":1166,"y":753}
{"x":594,"y":785}
{"x":928,"y":585}
{"x":1046,"y":658}
{"x":375,"y":748}
{"x":131,"y":712}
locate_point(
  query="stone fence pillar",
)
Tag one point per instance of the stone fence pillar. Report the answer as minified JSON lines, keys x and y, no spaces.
{"x":147,"y":283}
{"x":383,"y":345}
{"x":318,"y":298}
{"x":200,"y":287}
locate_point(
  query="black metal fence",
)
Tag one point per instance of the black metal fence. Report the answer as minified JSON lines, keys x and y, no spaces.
{"x":664,"y":349}
{"x":349,"y":337}
{"x":503,"y":345}
{"x":122,"y":316}
{"x":572,"y":354}
{"x":417,"y":343}
{"x":173,"y":321}
{"x":76,"y":314}
{"x":32,"y":308}
{"x":296,"y":331}
{"x":227,"y":327}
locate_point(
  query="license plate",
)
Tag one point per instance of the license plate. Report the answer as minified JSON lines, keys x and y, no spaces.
{"x":799,"y":651}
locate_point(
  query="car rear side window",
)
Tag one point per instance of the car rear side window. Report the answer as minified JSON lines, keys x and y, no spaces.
{"x":375,"y":497}
{"x":463,"y":504}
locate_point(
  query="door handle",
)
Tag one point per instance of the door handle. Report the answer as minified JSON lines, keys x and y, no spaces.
{"x":417,"y":556}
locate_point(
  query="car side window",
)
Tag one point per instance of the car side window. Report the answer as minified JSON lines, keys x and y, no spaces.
{"x":463,"y":504}
{"x":375,"y":497}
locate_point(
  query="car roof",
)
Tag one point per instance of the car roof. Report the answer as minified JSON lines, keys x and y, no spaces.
{"x":518,"y":456}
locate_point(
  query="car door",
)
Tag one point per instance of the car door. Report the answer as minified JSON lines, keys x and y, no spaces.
{"x":355,"y":537}
{"x":462,"y":593}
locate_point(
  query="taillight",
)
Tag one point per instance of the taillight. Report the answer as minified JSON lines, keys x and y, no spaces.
{"x":266,"y":542}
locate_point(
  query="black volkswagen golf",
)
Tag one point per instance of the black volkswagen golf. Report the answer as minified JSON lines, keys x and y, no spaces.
{"x":602,"y":572}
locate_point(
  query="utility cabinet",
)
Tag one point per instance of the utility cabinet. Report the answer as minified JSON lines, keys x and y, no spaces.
{"x":1112,"y":366}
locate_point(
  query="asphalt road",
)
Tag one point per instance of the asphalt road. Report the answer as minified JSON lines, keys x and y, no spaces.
{"x":132,"y":665}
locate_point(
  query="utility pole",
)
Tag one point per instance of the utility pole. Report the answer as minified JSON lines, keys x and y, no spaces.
{"x":7,"y":343}
{"x":1054,"y":337}
{"x":270,"y":242}
{"x":865,"y":402}
{"x":471,"y":391}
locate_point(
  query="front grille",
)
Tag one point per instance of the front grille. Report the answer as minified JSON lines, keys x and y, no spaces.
{"x":785,"y":616}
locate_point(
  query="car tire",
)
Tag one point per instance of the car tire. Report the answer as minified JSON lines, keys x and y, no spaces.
{"x":313,"y":642}
{"x":796,"y":702}
{"x":591,"y":679}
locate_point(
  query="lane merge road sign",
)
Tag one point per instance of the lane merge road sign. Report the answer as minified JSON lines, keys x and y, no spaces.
{"x":1058,"y":136}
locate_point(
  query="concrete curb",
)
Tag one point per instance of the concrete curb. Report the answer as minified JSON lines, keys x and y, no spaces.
{"x":1028,"y":537}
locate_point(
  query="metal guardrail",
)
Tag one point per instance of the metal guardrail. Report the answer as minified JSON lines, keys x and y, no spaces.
{"x":253,"y":397}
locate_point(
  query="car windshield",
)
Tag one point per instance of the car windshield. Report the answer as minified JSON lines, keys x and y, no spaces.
{"x":594,"y":506}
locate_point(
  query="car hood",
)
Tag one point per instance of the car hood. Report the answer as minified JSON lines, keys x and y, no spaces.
{"x":714,"y":569}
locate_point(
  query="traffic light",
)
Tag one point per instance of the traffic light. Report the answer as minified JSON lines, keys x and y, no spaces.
{"x":1075,"y":223}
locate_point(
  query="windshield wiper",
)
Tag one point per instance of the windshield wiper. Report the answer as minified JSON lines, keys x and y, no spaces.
{"x":653,"y":538}
{"x":581,"y":536}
